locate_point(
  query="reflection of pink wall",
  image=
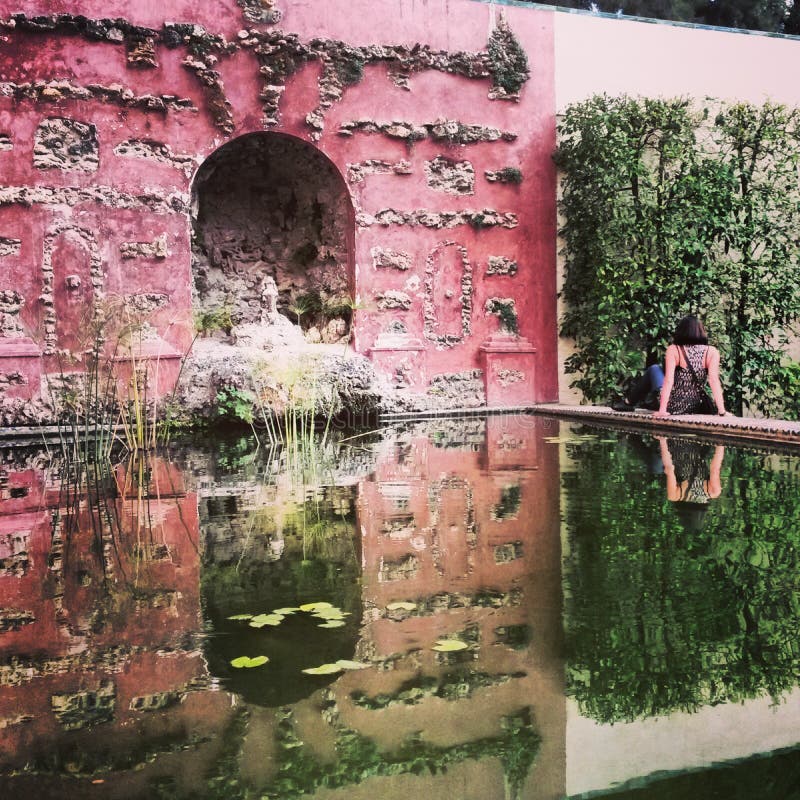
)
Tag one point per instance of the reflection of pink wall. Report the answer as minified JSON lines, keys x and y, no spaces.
{"x":597,"y":54}
{"x":436,"y":500}
{"x":101,"y":620}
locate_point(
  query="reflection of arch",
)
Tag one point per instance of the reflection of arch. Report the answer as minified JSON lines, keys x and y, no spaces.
{"x":53,"y":293}
{"x":271,"y":205}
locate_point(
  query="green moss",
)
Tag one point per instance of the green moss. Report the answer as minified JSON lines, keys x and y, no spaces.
{"x":504,"y":310}
{"x":479,"y":222}
{"x":349,"y":70}
{"x":509,"y":175}
{"x":508,"y":62}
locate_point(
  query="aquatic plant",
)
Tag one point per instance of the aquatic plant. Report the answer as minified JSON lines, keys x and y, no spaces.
{"x":248,"y":662}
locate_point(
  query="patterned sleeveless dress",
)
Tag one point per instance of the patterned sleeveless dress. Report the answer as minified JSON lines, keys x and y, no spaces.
{"x":685,"y":396}
{"x":691,"y":462}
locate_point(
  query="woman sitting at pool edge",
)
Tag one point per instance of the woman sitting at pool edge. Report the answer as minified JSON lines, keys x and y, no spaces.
{"x":682,"y":391}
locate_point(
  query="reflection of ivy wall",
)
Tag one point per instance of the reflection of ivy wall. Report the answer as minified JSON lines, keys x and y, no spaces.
{"x":662,"y":617}
{"x":299,"y":772}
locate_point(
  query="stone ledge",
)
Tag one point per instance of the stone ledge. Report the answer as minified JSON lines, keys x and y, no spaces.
{"x":735,"y":429}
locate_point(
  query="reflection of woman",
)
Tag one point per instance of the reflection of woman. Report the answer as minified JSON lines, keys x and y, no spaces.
{"x":691,"y":482}
{"x":689,"y":362}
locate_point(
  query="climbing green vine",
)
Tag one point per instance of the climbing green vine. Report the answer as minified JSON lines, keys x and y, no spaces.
{"x":671,"y":209}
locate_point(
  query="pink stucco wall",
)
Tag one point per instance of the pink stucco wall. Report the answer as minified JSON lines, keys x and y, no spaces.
{"x":120,"y":227}
{"x":439,"y":255}
{"x":596,"y":54}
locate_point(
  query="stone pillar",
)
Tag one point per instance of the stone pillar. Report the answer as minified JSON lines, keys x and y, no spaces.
{"x":401,"y":358}
{"x":20,"y":356}
{"x":508,"y":370}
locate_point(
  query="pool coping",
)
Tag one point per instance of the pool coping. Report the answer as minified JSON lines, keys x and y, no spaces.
{"x":746,"y":430}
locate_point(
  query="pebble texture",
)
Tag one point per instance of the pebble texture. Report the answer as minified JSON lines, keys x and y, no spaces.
{"x":449,"y":176}
{"x":67,"y":145}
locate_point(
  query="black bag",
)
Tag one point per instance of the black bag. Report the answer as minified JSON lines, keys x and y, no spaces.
{"x":653,"y":400}
{"x":705,"y":404}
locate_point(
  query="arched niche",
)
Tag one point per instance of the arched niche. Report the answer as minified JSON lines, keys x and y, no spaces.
{"x":270,"y":205}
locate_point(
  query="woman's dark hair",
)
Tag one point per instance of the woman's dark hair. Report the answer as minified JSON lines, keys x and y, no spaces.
{"x":691,"y":515}
{"x":690,"y":331}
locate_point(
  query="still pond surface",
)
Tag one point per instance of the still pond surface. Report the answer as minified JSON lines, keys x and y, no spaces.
{"x":464,"y":609}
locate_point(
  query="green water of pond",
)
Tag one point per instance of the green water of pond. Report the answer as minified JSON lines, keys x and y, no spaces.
{"x":509,"y":607}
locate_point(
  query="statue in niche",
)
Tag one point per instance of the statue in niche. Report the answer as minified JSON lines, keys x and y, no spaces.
{"x":272,"y":329}
{"x":269,"y":301}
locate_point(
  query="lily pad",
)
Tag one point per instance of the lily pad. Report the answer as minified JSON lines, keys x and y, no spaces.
{"x":401,"y":606}
{"x":333,"y":623}
{"x":331,"y":613}
{"x":246,"y":661}
{"x":345,"y":664}
{"x":285,"y":611}
{"x":266,"y":619}
{"x":241,"y":616}
{"x":315,"y":606}
{"x":449,"y":645}
{"x":324,"y":669}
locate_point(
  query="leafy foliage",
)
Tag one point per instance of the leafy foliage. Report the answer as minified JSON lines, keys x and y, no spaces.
{"x":214,"y":319}
{"x":235,"y":404}
{"x":756,"y":272}
{"x":505,"y":311}
{"x":775,"y":16}
{"x":670,"y":212}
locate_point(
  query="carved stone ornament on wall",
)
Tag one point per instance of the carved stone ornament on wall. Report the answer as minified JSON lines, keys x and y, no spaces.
{"x":456,"y":298}
{"x":67,"y":144}
{"x":88,"y":242}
